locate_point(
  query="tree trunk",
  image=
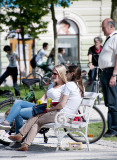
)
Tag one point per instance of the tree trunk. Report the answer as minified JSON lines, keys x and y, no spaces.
{"x":23,"y":47}
{"x":114,"y":12}
{"x":19,"y":55}
{"x":55,"y":33}
{"x":33,"y":46}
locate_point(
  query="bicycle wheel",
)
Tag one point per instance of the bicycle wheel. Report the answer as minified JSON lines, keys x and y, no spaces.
{"x":4,"y":106}
{"x":41,"y":71}
{"x":46,"y":81}
{"x":96,"y":127}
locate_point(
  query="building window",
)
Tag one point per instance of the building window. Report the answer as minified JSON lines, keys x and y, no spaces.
{"x":68,"y":38}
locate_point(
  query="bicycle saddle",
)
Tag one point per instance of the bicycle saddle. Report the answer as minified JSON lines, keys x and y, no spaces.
{"x":30,"y":82}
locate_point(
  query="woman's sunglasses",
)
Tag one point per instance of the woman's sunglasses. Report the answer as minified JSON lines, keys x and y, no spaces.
{"x":53,"y":73}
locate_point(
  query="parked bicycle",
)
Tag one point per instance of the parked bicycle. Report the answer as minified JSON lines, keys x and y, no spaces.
{"x":44,"y":81}
{"x":96,"y":127}
{"x":30,"y":96}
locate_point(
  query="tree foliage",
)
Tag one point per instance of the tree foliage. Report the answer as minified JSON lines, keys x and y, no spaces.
{"x":27,"y":16}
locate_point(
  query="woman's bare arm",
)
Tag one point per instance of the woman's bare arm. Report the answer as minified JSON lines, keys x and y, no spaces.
{"x":60,"y":105}
{"x":43,"y":98}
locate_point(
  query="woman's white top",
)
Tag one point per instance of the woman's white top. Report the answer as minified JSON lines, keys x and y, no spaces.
{"x":12,"y":59}
{"x":74,"y":98}
{"x":54,"y":93}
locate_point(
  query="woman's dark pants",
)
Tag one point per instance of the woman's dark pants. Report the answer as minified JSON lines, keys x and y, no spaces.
{"x":13,"y":72}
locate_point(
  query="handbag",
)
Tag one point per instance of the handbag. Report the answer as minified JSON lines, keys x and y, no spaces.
{"x":41,"y":108}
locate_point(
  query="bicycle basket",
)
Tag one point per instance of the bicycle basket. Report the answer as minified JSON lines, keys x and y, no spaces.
{"x":29,"y":96}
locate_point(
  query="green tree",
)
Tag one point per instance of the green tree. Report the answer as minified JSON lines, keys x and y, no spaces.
{"x":25,"y":16}
{"x":30,"y":12}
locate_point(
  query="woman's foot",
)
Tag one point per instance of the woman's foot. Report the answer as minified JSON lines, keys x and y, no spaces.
{"x":24,"y":147}
{"x":17,"y":138}
{"x":5,"y":126}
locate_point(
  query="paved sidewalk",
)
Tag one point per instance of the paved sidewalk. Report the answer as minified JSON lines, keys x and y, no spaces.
{"x":103,"y":150}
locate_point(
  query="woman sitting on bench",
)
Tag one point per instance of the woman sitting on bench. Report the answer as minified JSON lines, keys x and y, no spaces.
{"x":24,"y":110}
{"x":71,"y":99}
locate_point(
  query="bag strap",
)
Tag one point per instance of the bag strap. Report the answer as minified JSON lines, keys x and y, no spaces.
{"x":38,"y":52}
{"x":108,"y":38}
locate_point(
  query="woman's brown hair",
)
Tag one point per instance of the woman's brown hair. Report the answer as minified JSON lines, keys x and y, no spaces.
{"x":77,"y":77}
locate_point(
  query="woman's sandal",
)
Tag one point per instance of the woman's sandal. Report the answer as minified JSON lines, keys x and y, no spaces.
{"x":16,"y":138}
{"x":23,"y":148}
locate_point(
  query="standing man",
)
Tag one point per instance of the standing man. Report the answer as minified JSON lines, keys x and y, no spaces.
{"x":108,"y":63}
{"x":11,"y":69}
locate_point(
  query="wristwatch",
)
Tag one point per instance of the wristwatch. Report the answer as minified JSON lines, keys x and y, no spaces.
{"x":114,"y":75}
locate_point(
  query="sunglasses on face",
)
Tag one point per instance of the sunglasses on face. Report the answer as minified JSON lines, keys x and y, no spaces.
{"x":53,"y":73}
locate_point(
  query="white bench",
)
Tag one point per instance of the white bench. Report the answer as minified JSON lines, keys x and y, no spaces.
{"x":61,"y":119}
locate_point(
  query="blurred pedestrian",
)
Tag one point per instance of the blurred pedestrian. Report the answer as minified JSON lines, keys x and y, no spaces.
{"x":41,"y":53}
{"x":11,"y":69}
{"x":93,"y":55}
{"x":50,"y":60}
{"x":61,"y":52}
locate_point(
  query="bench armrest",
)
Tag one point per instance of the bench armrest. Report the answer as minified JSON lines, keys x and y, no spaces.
{"x":61,"y":118}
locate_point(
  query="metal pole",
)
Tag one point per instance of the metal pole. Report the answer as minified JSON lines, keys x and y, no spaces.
{"x":0,"y":50}
{"x":0,"y":54}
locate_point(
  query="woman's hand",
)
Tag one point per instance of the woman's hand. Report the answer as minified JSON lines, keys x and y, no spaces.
{"x":52,"y":108}
{"x":48,"y":109}
{"x":60,"y":105}
{"x":35,"y":106}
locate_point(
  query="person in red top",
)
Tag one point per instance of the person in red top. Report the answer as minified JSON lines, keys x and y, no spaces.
{"x":93,"y":55}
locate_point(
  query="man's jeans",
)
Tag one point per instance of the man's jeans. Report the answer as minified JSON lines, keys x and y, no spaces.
{"x":19,"y":111}
{"x":93,"y":74}
{"x":110,"y":99}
